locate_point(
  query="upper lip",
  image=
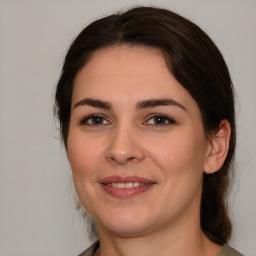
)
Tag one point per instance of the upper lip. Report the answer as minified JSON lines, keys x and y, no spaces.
{"x":120,"y":179}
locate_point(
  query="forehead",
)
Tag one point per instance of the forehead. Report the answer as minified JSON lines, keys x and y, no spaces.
{"x":124,"y":60}
{"x":128,"y":72}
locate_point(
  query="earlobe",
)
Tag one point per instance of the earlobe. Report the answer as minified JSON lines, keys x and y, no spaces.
{"x":219,"y":146}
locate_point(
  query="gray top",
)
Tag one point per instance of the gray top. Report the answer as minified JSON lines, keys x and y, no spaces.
{"x":225,"y":251}
{"x":229,"y":251}
{"x":91,"y":250}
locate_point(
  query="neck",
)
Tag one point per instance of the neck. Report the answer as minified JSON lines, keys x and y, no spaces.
{"x":167,"y":241}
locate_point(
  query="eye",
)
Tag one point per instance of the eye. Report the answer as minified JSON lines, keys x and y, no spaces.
{"x":94,"y":120}
{"x":159,"y":119}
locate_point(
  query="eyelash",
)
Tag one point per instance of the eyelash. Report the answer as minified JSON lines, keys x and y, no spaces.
{"x":85,"y":120}
{"x":163,"y":117}
{"x":102,"y":119}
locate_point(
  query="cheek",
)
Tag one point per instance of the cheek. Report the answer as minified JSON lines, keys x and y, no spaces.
{"x":82,"y":155}
{"x":83,"y":158}
{"x":180,"y":153}
{"x":180,"y":160}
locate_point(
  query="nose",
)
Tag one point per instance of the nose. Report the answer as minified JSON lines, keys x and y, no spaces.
{"x":125,"y":146}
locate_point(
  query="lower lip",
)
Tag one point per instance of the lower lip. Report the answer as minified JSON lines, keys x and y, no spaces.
{"x":126,"y":192}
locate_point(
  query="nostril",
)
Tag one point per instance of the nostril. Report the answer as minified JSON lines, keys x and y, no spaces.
{"x":130,"y":159}
{"x":123,"y":161}
{"x":124,"y":153}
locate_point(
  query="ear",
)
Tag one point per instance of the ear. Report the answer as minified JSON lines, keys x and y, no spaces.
{"x":218,"y":148}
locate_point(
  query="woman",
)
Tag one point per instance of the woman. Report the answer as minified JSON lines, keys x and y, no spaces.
{"x":146,"y":110}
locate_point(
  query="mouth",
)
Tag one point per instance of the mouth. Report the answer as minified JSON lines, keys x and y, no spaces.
{"x":126,"y":187}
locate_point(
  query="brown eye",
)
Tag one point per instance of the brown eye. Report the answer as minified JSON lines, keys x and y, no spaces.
{"x":94,"y":120}
{"x":97,"y":120}
{"x":160,"y":120}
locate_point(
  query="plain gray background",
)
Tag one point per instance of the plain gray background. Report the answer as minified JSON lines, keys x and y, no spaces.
{"x":37,"y":209}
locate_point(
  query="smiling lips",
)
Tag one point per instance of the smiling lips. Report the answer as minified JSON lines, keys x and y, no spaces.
{"x":126,"y":187}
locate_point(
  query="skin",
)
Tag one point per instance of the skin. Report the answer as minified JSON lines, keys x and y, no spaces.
{"x":165,"y":219}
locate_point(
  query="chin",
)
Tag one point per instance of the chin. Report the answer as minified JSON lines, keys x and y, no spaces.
{"x":127,"y":230}
{"x":126,"y":224}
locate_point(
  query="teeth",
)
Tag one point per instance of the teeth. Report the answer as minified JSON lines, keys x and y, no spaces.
{"x":118,"y":185}
{"x":126,"y":185}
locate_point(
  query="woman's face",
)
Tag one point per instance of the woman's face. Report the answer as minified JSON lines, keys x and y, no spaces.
{"x":136,"y":143}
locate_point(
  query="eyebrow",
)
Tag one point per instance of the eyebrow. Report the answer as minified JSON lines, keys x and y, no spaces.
{"x":159,"y":102}
{"x":151,"y":103}
{"x":93,"y":103}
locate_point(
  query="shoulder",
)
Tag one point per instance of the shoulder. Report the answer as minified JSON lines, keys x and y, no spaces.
{"x":229,"y":251}
{"x":91,"y":250}
{"x":225,"y":251}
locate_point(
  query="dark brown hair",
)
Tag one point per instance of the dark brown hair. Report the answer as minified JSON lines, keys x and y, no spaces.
{"x":195,"y":62}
